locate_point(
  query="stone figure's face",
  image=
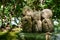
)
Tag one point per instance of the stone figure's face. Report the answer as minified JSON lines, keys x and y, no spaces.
{"x":46,"y":13}
{"x":37,"y":15}
{"x":27,"y":11}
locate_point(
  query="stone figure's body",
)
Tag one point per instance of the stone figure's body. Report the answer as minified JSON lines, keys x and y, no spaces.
{"x":27,"y":24}
{"x":47,"y":25}
{"x":37,"y":24}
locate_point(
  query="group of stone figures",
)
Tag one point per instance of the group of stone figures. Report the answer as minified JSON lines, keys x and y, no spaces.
{"x":37,"y":21}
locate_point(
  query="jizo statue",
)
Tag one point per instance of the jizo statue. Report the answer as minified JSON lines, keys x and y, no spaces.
{"x":37,"y":21}
{"x":27,"y":19}
{"x":47,"y":24}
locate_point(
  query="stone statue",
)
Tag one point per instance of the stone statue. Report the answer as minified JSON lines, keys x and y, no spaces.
{"x":47,"y":24}
{"x":27,"y":19}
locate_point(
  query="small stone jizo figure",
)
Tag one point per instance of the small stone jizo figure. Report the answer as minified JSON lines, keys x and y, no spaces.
{"x":47,"y":20}
{"x":27,"y":19}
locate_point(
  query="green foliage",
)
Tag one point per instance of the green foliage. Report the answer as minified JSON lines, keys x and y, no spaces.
{"x":19,"y":4}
